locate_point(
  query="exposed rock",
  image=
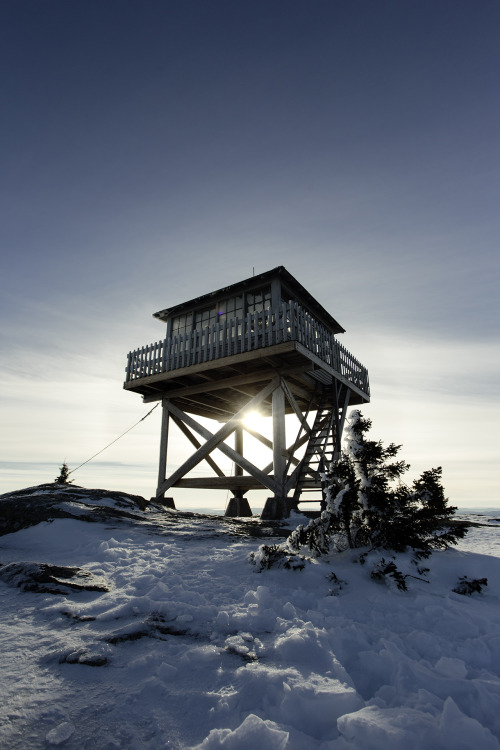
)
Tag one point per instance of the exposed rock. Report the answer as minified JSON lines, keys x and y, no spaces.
{"x":87,"y":658}
{"x":50,"y":579}
{"x":33,"y":505}
{"x":60,"y":734}
{"x":46,"y":502}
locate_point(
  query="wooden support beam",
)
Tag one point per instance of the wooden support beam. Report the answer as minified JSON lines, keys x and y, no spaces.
{"x":258,"y":436}
{"x":263,"y":479}
{"x":297,"y":389}
{"x":244,"y":391}
{"x":216,"y":441}
{"x":290,"y":452}
{"x":258,"y":376}
{"x":244,"y":483}
{"x":188,"y":408}
{"x":295,"y":406}
{"x":162,"y":468}
{"x":269,"y":445}
{"x":187,"y":432}
{"x":218,"y":411}
{"x":307,"y":379}
{"x":238,"y":447}
{"x":279,"y":439}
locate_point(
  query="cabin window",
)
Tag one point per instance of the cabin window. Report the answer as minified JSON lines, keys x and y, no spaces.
{"x":181,"y":324}
{"x":204,"y":318}
{"x":258,"y":301}
{"x":230,"y":308}
{"x":226,"y":309}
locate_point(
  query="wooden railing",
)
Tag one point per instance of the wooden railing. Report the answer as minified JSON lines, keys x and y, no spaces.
{"x":234,"y":336}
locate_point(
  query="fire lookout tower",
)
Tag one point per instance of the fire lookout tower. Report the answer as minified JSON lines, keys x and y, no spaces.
{"x":264,"y":343}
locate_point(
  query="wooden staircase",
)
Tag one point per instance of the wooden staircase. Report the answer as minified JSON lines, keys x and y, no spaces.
{"x":320,"y":450}
{"x":323,"y":441}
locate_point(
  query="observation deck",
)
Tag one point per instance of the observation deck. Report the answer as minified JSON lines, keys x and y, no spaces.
{"x":218,"y":357}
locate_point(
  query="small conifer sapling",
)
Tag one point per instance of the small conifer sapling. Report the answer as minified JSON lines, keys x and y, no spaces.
{"x":63,"y":477}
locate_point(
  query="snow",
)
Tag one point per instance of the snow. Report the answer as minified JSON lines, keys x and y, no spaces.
{"x":192,"y":647}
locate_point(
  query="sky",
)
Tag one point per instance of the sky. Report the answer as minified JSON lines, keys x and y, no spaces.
{"x":157,"y":151}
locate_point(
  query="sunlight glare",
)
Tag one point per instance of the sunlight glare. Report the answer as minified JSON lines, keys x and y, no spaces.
{"x":253,"y":420}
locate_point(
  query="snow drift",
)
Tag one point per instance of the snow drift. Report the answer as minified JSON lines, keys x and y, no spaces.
{"x":184,"y":644}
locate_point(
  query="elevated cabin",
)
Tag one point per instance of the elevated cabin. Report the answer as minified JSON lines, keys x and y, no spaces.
{"x":262,"y":344}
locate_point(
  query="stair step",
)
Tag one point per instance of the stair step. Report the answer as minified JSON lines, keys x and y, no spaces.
{"x":320,"y":449}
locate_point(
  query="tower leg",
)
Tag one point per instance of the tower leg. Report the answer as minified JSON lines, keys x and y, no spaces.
{"x":238,"y":446}
{"x":162,"y":468}
{"x":279,"y":438}
{"x":280,"y":505}
{"x":238,"y":505}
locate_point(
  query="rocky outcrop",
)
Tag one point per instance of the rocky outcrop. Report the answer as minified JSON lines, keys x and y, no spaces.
{"x":50,"y":579}
{"x":46,"y":502}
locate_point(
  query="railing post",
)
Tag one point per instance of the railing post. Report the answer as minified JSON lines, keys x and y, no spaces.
{"x":127,"y":369}
{"x":169,"y":354}
{"x":217,"y":339}
{"x":150,"y":359}
{"x":230,"y":337}
{"x":248,"y":325}
{"x":281,"y":322}
{"x":210,"y":341}
{"x":224,"y":338}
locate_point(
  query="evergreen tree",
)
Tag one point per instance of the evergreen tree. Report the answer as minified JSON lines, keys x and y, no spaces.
{"x":63,"y":477}
{"x":368,"y":505}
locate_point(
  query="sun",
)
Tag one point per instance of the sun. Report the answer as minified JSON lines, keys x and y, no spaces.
{"x":253,"y":420}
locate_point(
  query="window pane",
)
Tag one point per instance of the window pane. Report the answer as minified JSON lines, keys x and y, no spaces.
{"x":258,"y":301}
{"x":204,"y":318}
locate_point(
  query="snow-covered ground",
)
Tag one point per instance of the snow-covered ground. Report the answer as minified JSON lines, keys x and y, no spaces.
{"x":191,"y":646}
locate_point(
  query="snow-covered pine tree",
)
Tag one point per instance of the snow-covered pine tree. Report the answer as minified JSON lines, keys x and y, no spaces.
{"x":63,"y":477}
{"x":367,"y":504}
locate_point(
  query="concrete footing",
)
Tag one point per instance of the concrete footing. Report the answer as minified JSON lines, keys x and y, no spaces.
{"x":238,"y":506}
{"x":277,"y":508}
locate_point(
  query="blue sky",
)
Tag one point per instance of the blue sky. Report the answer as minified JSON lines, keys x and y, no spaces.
{"x":155,"y":151}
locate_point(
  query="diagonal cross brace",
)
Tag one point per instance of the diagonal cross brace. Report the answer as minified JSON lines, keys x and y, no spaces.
{"x":269,"y":444}
{"x":216,"y":441}
{"x":295,"y":406}
{"x":187,"y":432}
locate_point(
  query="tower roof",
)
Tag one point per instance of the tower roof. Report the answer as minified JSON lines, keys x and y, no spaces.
{"x":254,"y":282}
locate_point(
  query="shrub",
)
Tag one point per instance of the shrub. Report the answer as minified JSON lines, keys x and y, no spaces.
{"x":468,"y":586}
{"x":276,"y":555}
{"x":367,"y":504}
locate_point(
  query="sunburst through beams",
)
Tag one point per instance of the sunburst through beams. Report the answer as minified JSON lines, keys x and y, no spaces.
{"x":254,"y":420}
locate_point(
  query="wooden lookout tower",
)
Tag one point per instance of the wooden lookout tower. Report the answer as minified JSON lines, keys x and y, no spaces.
{"x":263,"y":344}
